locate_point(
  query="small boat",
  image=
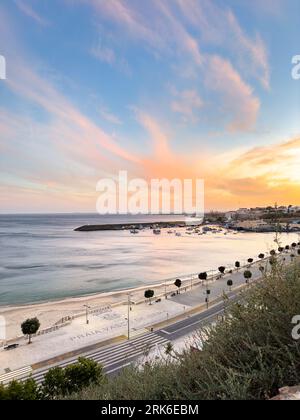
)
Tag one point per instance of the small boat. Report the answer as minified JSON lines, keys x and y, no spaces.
{"x":156,"y":231}
{"x":178,"y":234}
{"x":170,"y":232}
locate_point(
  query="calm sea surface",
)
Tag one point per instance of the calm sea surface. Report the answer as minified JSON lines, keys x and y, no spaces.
{"x":42,"y":258}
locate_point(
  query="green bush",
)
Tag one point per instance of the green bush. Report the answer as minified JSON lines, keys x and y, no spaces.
{"x":73,"y":378}
{"x":20,"y":391}
{"x":58,"y":382}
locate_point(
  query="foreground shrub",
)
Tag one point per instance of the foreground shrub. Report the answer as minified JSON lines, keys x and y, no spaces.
{"x":73,"y":378}
{"x":20,"y":391}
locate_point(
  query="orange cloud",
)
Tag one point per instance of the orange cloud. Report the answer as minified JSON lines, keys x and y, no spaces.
{"x":261,"y":176}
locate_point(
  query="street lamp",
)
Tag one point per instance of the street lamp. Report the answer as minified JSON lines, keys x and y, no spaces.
{"x":128,"y":315}
{"x":87,"y":307}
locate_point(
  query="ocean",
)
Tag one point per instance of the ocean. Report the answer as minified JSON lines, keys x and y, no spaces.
{"x":43,"y":259}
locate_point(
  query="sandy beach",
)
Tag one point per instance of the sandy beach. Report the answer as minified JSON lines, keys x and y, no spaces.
{"x":49,"y":313}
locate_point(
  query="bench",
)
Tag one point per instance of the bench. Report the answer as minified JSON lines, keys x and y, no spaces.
{"x":11,"y":347}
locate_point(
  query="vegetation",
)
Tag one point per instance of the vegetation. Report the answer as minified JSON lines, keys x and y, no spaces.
{"x":58,"y":382}
{"x":237,"y":265}
{"x":250,"y":355}
{"x":20,"y":391}
{"x":230,"y":284}
{"x":203,"y":276}
{"x":247,"y":275}
{"x":73,"y":378}
{"x":178,"y":284}
{"x":30,"y":327}
{"x":149,"y":294}
{"x":222,"y":269}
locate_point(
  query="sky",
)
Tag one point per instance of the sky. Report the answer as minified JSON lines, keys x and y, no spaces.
{"x":188,"y":89}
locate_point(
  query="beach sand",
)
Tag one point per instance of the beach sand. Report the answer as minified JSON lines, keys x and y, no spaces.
{"x":49,"y":313}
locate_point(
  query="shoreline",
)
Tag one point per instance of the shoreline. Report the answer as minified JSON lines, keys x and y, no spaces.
{"x":52,"y":312}
{"x":99,"y":295}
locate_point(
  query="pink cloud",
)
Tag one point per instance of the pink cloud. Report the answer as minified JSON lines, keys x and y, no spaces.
{"x":187,"y":103}
{"x":219,"y":26}
{"x":238,"y":97}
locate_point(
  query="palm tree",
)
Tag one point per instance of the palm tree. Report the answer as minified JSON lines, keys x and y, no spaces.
{"x":30,"y":327}
{"x":178,"y":284}
{"x":237,"y":265}
{"x":149,"y":295}
{"x":261,"y":256}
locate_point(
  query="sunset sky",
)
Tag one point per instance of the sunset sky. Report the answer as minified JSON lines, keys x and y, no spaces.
{"x":160,"y":88}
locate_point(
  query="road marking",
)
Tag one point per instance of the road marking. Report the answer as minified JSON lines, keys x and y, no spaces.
{"x":16,"y":374}
{"x":194,"y":323}
{"x":114,"y":355}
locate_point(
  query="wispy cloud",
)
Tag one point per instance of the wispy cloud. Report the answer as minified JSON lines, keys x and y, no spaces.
{"x":238,"y":97}
{"x":109,"y":116}
{"x":165,"y":31}
{"x":28,"y":10}
{"x":220,"y":27}
{"x":104,"y":53}
{"x":187,"y":103}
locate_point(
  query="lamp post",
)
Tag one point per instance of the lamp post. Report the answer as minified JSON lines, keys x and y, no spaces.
{"x":87,"y":307}
{"x":128,"y":315}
